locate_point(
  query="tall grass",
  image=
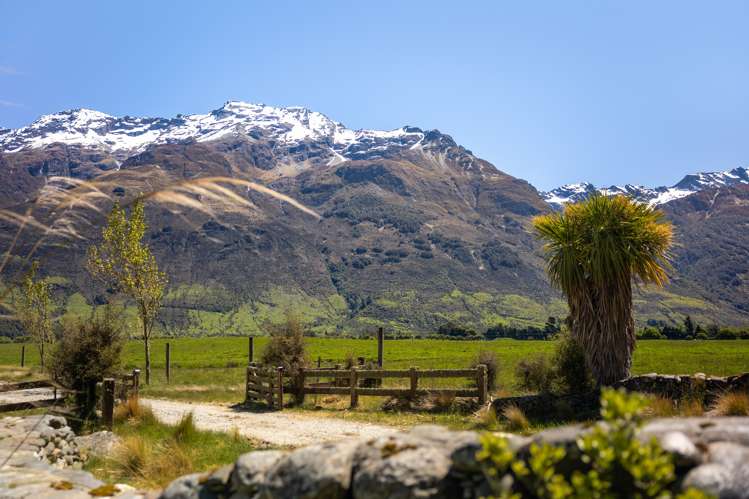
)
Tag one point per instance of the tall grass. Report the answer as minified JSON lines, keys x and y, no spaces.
{"x":731,"y":404}
{"x":152,"y":454}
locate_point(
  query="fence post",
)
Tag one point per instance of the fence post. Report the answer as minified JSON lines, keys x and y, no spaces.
{"x":414,"y":376}
{"x":107,"y":406}
{"x":23,"y":355}
{"x":136,"y":382}
{"x":481,"y":381}
{"x":251,"y":349}
{"x":280,"y":388}
{"x":354,"y":380}
{"x":247,"y":386}
{"x":168,"y":362}
{"x":380,"y":346}
{"x":271,"y":380}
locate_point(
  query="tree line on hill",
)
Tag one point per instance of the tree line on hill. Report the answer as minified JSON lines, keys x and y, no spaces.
{"x":689,"y":330}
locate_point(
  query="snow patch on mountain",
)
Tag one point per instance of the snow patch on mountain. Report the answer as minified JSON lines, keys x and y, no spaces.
{"x":128,"y":135}
{"x":572,"y":193}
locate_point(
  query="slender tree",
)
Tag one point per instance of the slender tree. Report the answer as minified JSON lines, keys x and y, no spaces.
{"x":125,"y":263}
{"x":595,"y":250}
{"x":34,"y":311}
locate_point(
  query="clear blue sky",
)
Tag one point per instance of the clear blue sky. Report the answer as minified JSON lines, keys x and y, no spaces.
{"x":552,"y":92}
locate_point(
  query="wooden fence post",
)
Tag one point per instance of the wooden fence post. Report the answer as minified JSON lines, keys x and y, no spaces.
{"x":251,"y":349}
{"x":168,"y":362}
{"x":414,"y":376}
{"x":354,"y":380}
{"x":136,"y":382}
{"x":280,"y":388}
{"x":23,"y":355}
{"x":380,"y":346}
{"x":107,"y":406}
{"x":481,"y":381}
{"x":247,"y":385}
{"x":270,"y":395}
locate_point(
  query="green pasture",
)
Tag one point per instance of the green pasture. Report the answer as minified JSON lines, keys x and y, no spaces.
{"x":212,"y":368}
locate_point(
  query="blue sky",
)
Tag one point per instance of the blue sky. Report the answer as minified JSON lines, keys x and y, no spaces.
{"x":553,"y":92}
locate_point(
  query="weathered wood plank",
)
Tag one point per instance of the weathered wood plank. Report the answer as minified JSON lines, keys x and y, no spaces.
{"x":26,"y":385}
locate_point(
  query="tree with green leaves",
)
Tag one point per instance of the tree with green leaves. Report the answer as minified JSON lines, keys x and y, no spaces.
{"x":595,"y":250}
{"x":125,"y":263}
{"x":33,"y":311}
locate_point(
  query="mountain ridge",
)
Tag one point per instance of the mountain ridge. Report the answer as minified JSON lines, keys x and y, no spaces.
{"x":689,"y":184}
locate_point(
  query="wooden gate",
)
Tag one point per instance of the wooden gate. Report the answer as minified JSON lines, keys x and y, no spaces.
{"x":264,"y":385}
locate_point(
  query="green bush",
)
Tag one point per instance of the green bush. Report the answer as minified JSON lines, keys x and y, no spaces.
{"x":612,"y":461}
{"x":535,"y":374}
{"x":86,"y":353}
{"x":571,"y":372}
{"x":565,"y":372}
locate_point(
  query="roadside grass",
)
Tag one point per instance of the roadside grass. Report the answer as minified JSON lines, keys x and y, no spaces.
{"x":152,"y":454}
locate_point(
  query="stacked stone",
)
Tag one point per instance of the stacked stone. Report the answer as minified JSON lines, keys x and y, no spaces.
{"x":711,"y":454}
{"x":59,"y":447}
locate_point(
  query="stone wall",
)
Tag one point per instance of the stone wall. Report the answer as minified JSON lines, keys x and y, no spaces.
{"x":700,"y":387}
{"x":697,"y":386}
{"x":430,"y":462}
{"x":42,"y":458}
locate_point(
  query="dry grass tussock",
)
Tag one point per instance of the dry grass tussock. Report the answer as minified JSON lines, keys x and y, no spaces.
{"x":66,"y":208}
{"x":147,"y":463}
{"x":515,"y":419}
{"x":664,"y":407}
{"x":134,"y":412}
{"x":731,"y":404}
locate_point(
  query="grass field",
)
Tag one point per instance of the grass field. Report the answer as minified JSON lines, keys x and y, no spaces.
{"x":212,"y":368}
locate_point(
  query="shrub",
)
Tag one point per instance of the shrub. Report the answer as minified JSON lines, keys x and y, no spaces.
{"x":515,"y":418}
{"x":491,"y":361}
{"x":535,"y":374}
{"x":572,"y":374}
{"x":85,"y":354}
{"x":731,"y":404}
{"x":610,"y":460}
{"x":287,"y":349}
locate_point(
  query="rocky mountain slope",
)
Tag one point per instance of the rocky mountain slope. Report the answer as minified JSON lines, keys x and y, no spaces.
{"x":415,"y":230}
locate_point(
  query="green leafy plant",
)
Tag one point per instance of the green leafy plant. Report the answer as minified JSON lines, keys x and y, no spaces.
{"x":612,"y":461}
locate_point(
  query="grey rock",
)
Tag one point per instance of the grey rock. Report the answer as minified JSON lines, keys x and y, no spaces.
{"x":316,"y":472}
{"x":250,"y":469}
{"x":99,"y":443}
{"x":186,"y":487}
{"x":714,"y":479}
{"x":727,"y":453}
{"x":685,"y":453}
{"x":401,"y":466}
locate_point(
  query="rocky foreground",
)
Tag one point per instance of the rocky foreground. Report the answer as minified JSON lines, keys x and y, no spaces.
{"x":711,"y":454}
{"x":40,"y":456}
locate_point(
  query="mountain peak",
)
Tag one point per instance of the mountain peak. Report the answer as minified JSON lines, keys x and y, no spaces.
{"x":694,"y":182}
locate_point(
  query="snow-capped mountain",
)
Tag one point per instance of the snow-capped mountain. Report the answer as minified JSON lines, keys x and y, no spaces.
{"x":696,"y":182}
{"x":124,"y":136}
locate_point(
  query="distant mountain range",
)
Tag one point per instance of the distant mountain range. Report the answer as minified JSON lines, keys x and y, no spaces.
{"x":416,"y":230}
{"x":696,"y":182}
